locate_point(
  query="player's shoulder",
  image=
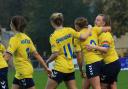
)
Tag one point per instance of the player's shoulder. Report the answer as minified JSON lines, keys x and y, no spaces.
{"x":13,"y":38}
{"x":2,"y":44}
{"x":68,"y":29}
{"x":25,"y":36}
{"x":52,"y":36}
{"x":106,"y":35}
{"x":109,"y":34}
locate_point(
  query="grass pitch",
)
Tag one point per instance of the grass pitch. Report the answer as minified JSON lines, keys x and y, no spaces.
{"x":40,"y":79}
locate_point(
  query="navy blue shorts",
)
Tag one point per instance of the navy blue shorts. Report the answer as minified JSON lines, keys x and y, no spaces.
{"x":24,"y":83}
{"x":59,"y":76}
{"x":94,"y":69}
{"x":4,"y":78}
{"x":110,"y":72}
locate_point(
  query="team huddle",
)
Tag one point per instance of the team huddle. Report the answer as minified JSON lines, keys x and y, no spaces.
{"x":93,"y":46}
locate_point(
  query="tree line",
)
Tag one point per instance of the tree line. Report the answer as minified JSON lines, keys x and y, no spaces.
{"x":37,"y":13}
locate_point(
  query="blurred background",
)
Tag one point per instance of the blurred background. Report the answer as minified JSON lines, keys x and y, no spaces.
{"x":37,"y":13}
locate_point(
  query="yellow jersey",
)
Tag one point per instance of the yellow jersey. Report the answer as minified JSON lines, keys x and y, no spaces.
{"x":62,"y":41}
{"x":93,"y":55}
{"x":3,"y":63}
{"x":20,"y":46}
{"x":77,"y":46}
{"x":106,"y":40}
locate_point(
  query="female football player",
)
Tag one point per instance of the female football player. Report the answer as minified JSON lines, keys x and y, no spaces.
{"x":20,"y":47}
{"x":62,"y":53}
{"x":107,"y":47}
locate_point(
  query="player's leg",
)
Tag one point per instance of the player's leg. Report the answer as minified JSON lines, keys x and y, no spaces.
{"x":51,"y":84}
{"x":69,"y":80}
{"x":15,"y":86}
{"x":95,"y":82}
{"x":113,"y":86}
{"x":105,"y":86}
{"x":93,"y":72}
{"x":32,"y":87}
{"x":109,"y":77}
{"x":3,"y":78}
{"x":71,"y":84}
{"x":85,"y":83}
{"x":103,"y":79}
{"x":54,"y":80}
{"x":117,"y":67}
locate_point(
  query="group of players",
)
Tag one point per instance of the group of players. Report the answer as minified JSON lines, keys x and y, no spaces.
{"x":93,"y":45}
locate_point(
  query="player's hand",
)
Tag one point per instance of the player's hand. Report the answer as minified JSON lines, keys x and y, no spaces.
{"x":90,"y":27}
{"x":89,"y":47}
{"x":49,"y":72}
{"x":83,"y":75}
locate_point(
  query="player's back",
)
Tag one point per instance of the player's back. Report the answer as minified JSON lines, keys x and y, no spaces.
{"x":21,"y":46}
{"x":3,"y":63}
{"x":93,"y":55}
{"x":64,"y":45}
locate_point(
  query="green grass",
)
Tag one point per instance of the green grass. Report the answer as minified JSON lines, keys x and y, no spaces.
{"x":40,"y":79}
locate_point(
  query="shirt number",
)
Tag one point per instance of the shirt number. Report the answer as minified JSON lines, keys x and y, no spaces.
{"x":28,"y":52}
{"x":68,"y":46}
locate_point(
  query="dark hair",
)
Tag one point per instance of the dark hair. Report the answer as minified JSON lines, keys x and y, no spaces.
{"x":81,"y":22}
{"x":19,"y":22}
{"x":57,"y":19}
{"x":106,"y":19}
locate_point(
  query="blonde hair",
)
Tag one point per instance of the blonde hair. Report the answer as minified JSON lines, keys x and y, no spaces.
{"x":57,"y":18}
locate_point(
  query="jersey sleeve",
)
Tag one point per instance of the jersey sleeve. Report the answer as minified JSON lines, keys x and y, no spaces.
{"x":13,"y":44}
{"x":74,"y":33}
{"x":77,"y":47}
{"x":97,"y":30}
{"x":106,"y":40}
{"x":32,"y":47}
{"x":54,"y":45}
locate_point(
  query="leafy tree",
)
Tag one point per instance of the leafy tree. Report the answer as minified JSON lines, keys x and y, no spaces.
{"x":9,"y":8}
{"x":38,"y":13}
{"x":118,"y":10}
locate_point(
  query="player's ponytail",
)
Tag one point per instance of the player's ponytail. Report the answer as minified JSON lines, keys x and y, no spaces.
{"x":107,"y":20}
{"x":57,"y":19}
{"x":19,"y":22}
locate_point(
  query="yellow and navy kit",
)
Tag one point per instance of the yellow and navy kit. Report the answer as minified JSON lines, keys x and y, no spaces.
{"x":62,"y":41}
{"x":89,"y":56}
{"x":20,"y":46}
{"x":106,"y":40}
{"x":3,"y":63}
